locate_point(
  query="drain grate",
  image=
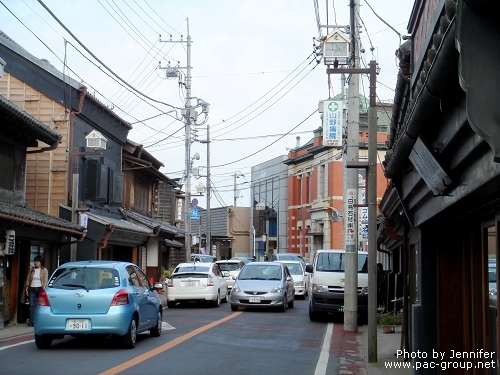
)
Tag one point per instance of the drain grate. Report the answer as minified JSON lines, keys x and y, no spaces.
{"x":353,"y":358}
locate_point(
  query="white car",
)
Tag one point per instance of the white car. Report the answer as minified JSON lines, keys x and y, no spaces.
{"x":230,"y":269}
{"x":197,"y":282}
{"x":300,"y":276}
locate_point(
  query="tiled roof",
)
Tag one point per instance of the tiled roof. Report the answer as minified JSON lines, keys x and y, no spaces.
{"x":152,"y":223}
{"x":42,"y":131}
{"x":22,"y":212}
{"x":173,"y":243}
{"x":120,"y":223}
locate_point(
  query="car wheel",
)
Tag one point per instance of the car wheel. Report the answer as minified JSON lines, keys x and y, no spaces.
{"x":285,"y":304}
{"x":234,"y":308}
{"x":216,"y":303}
{"x":226,"y":297}
{"x":292,"y":302}
{"x":43,"y":342}
{"x":313,"y":315}
{"x":171,"y":304}
{"x":130,"y":338}
{"x":156,"y":330}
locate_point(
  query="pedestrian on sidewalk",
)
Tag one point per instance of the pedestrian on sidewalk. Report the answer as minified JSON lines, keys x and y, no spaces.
{"x":36,"y":281}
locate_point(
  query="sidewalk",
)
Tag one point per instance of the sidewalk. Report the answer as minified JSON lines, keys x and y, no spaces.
{"x":387,"y":344}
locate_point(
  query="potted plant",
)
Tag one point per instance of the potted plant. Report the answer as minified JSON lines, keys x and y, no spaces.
{"x":166,"y":274}
{"x":389,"y":321}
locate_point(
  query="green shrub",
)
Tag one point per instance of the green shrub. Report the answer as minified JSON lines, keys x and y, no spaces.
{"x":166,"y":274}
{"x":390,"y":319}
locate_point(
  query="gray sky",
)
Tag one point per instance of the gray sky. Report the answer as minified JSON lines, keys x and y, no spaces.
{"x":252,"y":61}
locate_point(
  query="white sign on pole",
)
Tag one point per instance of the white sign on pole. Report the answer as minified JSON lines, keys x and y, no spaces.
{"x":332,"y":122}
{"x":351,"y":219}
{"x":363,"y":217}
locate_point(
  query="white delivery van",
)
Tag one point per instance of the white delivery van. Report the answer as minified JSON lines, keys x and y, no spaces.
{"x":327,"y":283}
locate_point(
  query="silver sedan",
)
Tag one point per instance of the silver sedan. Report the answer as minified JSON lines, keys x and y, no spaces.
{"x":263,"y":285}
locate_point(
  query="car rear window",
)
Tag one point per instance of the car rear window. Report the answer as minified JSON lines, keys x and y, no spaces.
{"x":193,"y":268}
{"x":84,"y":277}
{"x":229,"y":266}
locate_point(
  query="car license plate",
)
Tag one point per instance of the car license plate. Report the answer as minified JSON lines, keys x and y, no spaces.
{"x":254,"y":299}
{"x":190,"y":283}
{"x":77,"y":324}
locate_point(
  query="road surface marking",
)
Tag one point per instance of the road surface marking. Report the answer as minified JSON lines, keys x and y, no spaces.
{"x":167,"y":346}
{"x":325,"y":351}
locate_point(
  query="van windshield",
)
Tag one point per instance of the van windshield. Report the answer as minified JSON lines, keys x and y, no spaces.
{"x":335,"y":262}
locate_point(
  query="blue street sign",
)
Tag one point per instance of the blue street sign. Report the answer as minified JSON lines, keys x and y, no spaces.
{"x":194,"y":202}
{"x":195,"y":214}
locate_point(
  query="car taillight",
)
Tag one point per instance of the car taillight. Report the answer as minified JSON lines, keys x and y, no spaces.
{"x":43,"y":300}
{"x":170,"y":283}
{"x":210,"y":281}
{"x":120,"y":298}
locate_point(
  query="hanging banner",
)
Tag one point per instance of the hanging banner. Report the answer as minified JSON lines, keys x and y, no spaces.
{"x":333,"y":115}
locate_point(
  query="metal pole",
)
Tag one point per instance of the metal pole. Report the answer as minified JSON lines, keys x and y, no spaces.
{"x":208,"y":238}
{"x":187,"y":206}
{"x":235,"y":190}
{"x":74,"y":213}
{"x":372,"y":216}
{"x":351,"y":186}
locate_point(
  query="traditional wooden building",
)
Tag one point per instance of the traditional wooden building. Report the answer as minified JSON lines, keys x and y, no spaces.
{"x":24,"y":231}
{"x":441,"y":212}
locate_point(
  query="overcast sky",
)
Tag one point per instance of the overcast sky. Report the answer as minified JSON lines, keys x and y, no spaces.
{"x":252,"y":61}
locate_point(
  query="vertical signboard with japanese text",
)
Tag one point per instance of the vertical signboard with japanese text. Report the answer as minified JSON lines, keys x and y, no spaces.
{"x":332,"y":122}
{"x":351,"y":221}
{"x":363,"y":216}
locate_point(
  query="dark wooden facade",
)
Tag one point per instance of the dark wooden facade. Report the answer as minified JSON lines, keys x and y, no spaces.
{"x":441,"y":212}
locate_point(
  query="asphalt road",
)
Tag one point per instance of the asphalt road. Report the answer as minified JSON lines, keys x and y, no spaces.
{"x":196,"y":339}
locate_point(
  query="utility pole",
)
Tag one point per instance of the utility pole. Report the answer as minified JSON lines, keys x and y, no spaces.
{"x":235,"y":194}
{"x":351,"y":183}
{"x":187,"y":113}
{"x":190,"y":117}
{"x":208,"y":240}
{"x":187,"y":118}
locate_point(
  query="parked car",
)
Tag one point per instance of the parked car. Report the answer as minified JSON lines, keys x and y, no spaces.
{"x":299,"y":275}
{"x":97,"y":298}
{"x":197,"y":282}
{"x":289,"y":256}
{"x":492,"y":275}
{"x":264,"y":285}
{"x":230,"y":269}
{"x":244,"y":259}
{"x":203,"y":258}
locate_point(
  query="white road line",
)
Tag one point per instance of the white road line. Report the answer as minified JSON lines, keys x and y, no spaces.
{"x":325,"y":351}
{"x":19,"y":343}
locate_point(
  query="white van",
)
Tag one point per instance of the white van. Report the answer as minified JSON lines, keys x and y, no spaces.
{"x":327,"y":283}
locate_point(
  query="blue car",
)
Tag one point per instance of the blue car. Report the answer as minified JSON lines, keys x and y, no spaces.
{"x":97,"y":298}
